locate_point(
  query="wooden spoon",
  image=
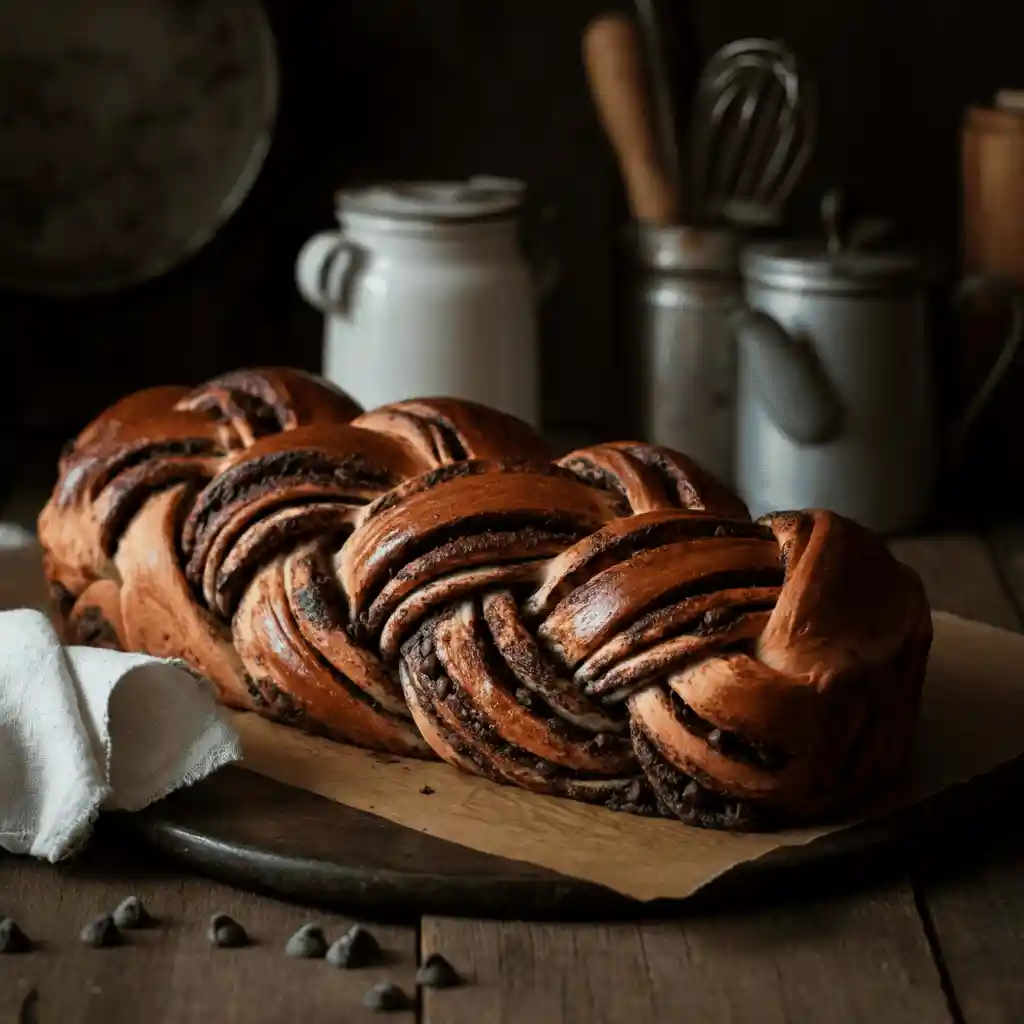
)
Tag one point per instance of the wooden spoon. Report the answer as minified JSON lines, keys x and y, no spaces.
{"x":613,"y":58}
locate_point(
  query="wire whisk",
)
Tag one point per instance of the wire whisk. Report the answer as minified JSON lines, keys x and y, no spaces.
{"x":754,"y":125}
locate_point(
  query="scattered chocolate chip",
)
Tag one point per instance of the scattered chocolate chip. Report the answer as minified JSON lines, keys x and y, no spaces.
{"x":100,"y":932}
{"x":633,"y":791}
{"x":692,"y":791}
{"x":604,"y":740}
{"x":720,"y":531}
{"x":426,"y":645}
{"x":130,"y":913}
{"x":226,"y":932}
{"x":427,"y":790}
{"x":307,"y":943}
{"x":436,"y":972}
{"x":12,"y":938}
{"x":386,"y":996}
{"x":356,"y":948}
{"x":715,"y":739}
{"x":442,"y":686}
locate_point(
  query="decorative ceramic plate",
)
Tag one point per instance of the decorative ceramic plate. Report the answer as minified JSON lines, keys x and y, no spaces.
{"x":130,"y":130}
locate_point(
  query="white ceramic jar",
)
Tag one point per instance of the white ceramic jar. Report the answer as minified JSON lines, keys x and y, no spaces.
{"x":426,"y":291}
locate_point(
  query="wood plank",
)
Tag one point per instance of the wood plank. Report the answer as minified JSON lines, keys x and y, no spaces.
{"x":170,"y":973}
{"x":973,"y":891}
{"x":959,"y":576}
{"x":974,"y":896}
{"x":862,"y":957}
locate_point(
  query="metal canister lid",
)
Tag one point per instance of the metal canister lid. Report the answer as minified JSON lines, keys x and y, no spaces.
{"x":687,"y":250}
{"x":810,"y":266}
{"x":478,"y":198}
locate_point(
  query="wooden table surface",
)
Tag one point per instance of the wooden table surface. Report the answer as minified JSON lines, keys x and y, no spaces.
{"x":939,"y":940}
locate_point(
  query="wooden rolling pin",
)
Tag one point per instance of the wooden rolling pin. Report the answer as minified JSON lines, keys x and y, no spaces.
{"x":993,"y":189}
{"x":617,"y":75}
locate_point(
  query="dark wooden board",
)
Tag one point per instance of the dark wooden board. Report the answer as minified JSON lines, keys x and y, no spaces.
{"x":253,"y":831}
{"x":246,"y":829}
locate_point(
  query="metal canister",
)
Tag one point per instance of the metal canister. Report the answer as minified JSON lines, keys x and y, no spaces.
{"x":834,"y":385}
{"x":688,"y":283}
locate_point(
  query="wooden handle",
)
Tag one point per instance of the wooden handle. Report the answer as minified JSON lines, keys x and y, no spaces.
{"x":1010,"y":99}
{"x":615,"y":70}
{"x":993,"y":193}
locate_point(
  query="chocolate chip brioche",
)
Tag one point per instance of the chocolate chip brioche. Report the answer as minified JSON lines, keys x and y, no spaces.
{"x":424,"y":579}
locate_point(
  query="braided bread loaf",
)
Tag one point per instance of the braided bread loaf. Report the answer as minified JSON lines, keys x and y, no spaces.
{"x":423,"y":579}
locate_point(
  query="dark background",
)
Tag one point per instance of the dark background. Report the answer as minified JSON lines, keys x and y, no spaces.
{"x":448,"y":88}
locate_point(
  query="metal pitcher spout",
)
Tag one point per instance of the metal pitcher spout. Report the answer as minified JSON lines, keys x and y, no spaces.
{"x":788,"y":378}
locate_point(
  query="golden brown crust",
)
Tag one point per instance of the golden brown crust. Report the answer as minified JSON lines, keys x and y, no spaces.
{"x":423,"y":579}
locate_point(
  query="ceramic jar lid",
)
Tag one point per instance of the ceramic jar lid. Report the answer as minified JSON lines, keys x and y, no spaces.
{"x":476,"y":199}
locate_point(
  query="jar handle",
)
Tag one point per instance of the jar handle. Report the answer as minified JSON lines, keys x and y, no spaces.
{"x":324,"y":269}
{"x":970,"y":286}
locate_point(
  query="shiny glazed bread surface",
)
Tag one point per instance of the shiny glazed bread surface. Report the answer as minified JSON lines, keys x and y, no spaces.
{"x":424,"y":579}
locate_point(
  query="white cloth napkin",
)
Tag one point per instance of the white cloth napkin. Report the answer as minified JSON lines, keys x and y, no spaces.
{"x":83,"y":729}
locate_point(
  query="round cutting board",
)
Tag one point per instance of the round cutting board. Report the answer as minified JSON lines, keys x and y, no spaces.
{"x":248,"y":830}
{"x":131,"y":130}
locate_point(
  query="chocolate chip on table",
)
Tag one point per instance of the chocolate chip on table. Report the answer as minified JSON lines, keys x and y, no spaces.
{"x":226,"y":932}
{"x":100,"y":932}
{"x":356,"y":948}
{"x":427,"y":790}
{"x":131,"y":913}
{"x":12,"y":938}
{"x":436,"y":972}
{"x":386,"y":996}
{"x":308,"y":943}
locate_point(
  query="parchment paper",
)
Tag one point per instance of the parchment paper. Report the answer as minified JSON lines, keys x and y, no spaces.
{"x":972,"y":720}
